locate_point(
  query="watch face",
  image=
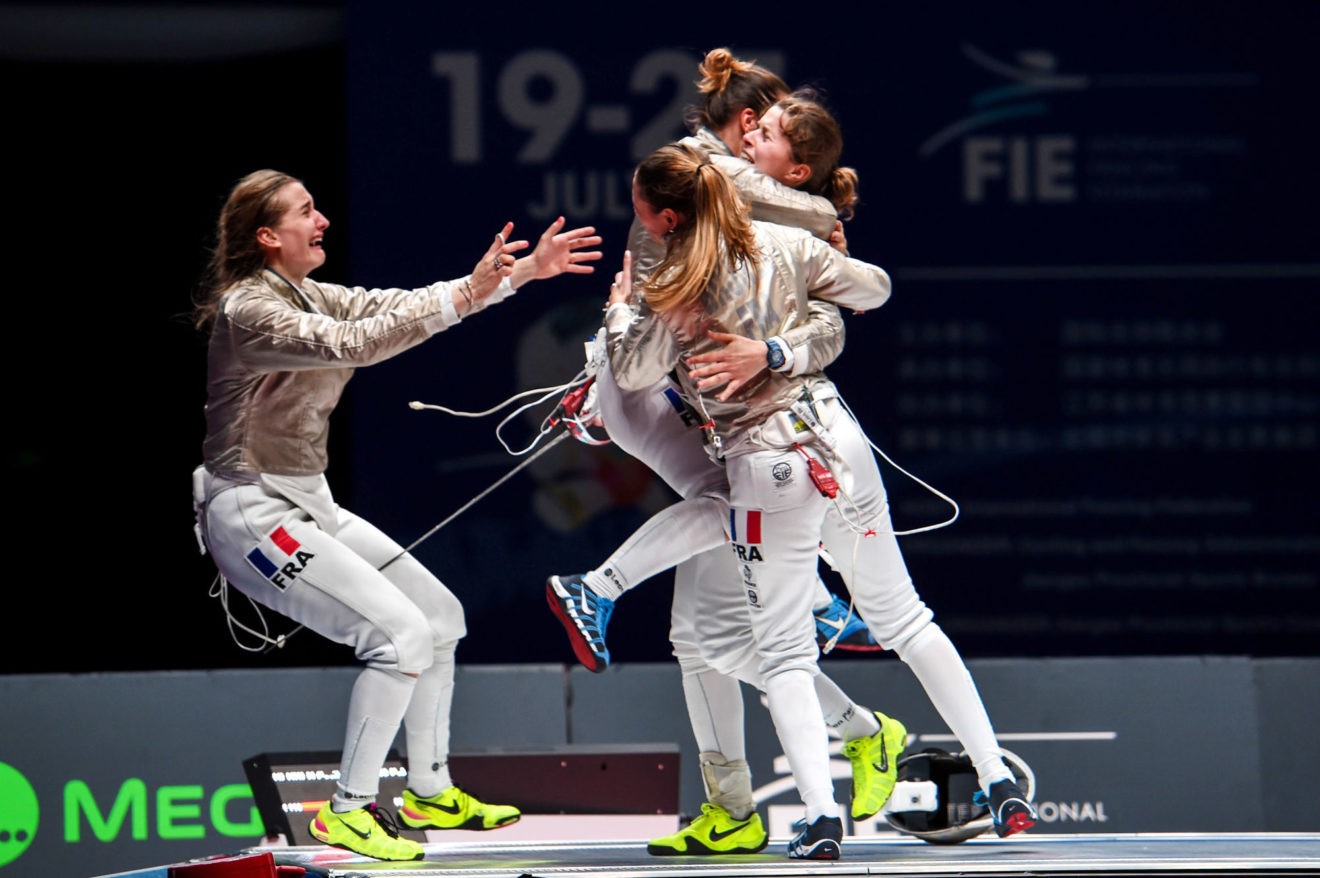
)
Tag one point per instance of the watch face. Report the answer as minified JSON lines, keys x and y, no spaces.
{"x":774,"y":357}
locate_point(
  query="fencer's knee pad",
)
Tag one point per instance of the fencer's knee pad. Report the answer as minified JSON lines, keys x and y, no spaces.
{"x":728,"y":782}
{"x":933,"y":796}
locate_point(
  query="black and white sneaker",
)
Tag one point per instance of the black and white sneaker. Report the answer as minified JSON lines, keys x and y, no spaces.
{"x":1009,"y":808}
{"x":821,"y":840}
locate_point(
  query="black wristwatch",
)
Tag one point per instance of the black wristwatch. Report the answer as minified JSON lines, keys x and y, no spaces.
{"x":774,"y":354}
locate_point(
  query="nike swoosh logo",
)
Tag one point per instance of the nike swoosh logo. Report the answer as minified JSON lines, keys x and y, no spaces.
{"x":716,"y":835}
{"x":448,"y":809}
{"x":359,"y":833}
{"x":884,"y":755}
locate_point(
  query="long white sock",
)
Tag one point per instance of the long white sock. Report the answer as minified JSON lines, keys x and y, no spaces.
{"x":843,"y":716}
{"x":375,"y":710}
{"x":426,"y":726}
{"x":795,"y":709}
{"x":937,"y":665}
{"x":715,"y":710}
{"x":672,"y":535}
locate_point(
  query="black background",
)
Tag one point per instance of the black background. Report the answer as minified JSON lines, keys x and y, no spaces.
{"x":117,"y":172}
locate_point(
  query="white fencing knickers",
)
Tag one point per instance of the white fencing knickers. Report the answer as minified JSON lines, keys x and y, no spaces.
{"x":285,"y":543}
{"x":791,"y":514}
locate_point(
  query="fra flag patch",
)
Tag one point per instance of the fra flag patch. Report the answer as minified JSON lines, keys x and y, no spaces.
{"x":279,"y":558}
{"x":745,"y":533}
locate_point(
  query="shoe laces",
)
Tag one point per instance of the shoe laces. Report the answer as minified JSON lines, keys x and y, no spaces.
{"x":709,"y":811}
{"x":384,"y":818}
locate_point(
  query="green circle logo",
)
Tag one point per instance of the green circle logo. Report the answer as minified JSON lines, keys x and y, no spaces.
{"x":18,"y":814}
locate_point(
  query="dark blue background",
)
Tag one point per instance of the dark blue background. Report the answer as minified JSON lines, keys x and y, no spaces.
{"x":1115,"y":386}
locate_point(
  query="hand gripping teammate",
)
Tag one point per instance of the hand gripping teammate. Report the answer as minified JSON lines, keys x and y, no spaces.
{"x":655,"y":426}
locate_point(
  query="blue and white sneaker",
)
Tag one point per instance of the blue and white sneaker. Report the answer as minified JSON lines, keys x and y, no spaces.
{"x":840,"y":623}
{"x":1009,"y":808}
{"x":584,"y":615}
{"x":821,"y":840}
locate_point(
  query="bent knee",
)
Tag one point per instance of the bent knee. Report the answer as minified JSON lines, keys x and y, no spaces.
{"x":903,"y":636}
{"x":407,"y":645}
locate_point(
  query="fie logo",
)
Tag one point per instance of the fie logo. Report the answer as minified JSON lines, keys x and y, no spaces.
{"x":18,"y":814}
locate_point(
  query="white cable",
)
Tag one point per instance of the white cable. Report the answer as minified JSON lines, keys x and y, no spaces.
{"x":857,"y":528}
{"x":548,"y":423}
{"x":945,"y":497}
{"x":220,"y":588}
{"x":830,"y":644}
{"x":418,"y":406}
{"x":546,"y":426}
{"x":220,"y":585}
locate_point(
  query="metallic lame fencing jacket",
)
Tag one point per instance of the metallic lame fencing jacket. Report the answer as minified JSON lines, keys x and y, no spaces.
{"x":280,"y":355}
{"x":817,"y":338}
{"x":793,"y":268}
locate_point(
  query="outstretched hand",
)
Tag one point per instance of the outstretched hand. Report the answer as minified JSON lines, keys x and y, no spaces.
{"x":737,"y":362}
{"x":557,"y":253}
{"x":496,"y":264}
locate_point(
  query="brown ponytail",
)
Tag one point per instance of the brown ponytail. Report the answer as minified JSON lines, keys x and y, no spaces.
{"x":714,"y":235}
{"x":728,"y":85}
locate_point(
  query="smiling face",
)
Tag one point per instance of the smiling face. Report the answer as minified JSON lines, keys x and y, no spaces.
{"x":293,"y":244}
{"x":770,"y":151}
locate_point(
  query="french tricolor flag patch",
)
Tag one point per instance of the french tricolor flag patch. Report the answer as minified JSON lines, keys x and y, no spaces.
{"x":745,"y":526}
{"x":279,"y":558}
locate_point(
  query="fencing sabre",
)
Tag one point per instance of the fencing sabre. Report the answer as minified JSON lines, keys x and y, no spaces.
{"x":504,"y":478}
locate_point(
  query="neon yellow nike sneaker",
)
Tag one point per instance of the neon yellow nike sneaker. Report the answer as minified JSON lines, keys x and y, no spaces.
{"x":368,"y":831}
{"x":714,"y":832}
{"x":453,"y":808}
{"x":875,"y":766}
